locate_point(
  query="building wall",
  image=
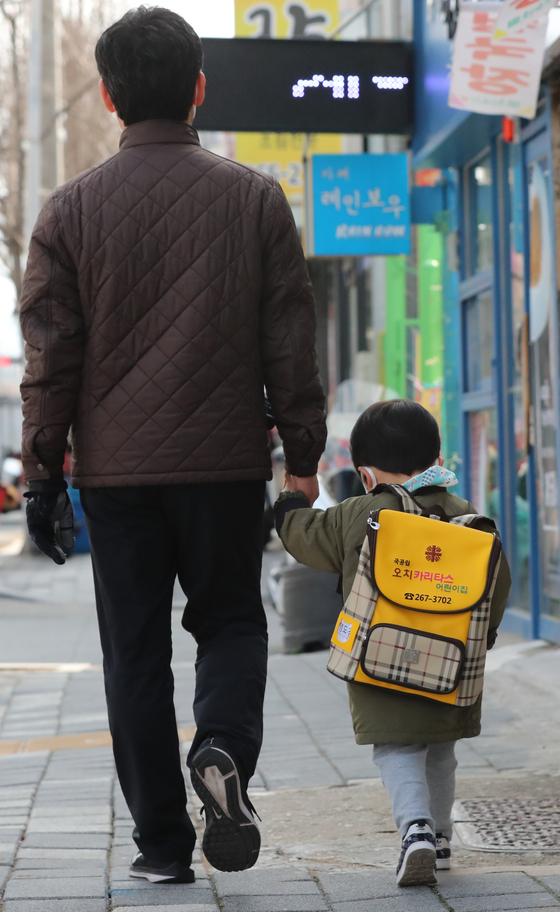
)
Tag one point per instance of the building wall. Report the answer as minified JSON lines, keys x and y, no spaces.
{"x":500,"y":267}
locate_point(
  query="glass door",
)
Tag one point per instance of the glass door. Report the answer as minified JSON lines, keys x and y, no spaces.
{"x":543,"y":347}
{"x":519,"y":374}
{"x":478,"y":399}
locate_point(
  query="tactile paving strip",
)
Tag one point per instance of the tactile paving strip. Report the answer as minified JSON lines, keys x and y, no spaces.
{"x":519,"y":825}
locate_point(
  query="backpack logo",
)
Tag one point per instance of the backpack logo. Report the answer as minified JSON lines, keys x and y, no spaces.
{"x":411,"y":656}
{"x":433,"y":553}
{"x":343,"y":632}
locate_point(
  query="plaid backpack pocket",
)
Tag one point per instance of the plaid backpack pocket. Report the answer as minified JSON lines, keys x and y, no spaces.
{"x":423,"y":661}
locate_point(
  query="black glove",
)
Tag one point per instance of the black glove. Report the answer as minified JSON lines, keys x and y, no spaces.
{"x":50,"y":519}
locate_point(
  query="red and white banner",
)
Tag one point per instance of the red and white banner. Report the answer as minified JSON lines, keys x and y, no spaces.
{"x":495,"y":77}
{"x":515,"y":15}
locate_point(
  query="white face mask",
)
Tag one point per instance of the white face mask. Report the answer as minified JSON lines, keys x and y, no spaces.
{"x":371,"y":474}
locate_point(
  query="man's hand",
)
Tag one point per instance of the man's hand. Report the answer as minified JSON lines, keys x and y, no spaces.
{"x":50,"y":520}
{"x":309,"y":486}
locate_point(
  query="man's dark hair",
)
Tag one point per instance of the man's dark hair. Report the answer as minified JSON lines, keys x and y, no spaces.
{"x":398,"y":436}
{"x":149,"y":61}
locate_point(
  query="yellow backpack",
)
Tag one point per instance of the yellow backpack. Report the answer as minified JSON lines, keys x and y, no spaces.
{"x":416,"y":619}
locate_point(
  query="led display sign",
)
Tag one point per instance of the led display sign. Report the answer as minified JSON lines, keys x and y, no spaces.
{"x":307,"y":86}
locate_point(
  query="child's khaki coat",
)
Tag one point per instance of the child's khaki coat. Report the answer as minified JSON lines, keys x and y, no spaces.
{"x":331,"y":540}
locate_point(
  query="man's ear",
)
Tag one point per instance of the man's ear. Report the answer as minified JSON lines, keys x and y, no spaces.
{"x":200,"y":90}
{"x":106,"y":98}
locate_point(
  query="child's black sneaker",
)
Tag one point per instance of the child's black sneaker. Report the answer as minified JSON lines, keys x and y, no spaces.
{"x":417,"y":863}
{"x":172,"y":873}
{"x":443,"y":853}
{"x":231,"y":839}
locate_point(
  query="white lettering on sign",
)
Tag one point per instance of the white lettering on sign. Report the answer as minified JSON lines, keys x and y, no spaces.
{"x":394,"y":205}
{"x":338,"y":85}
{"x":353,"y":87}
{"x":390,"y":82}
{"x":347,"y":231}
{"x":389,"y":231}
{"x":330,"y":173}
{"x":353,"y":201}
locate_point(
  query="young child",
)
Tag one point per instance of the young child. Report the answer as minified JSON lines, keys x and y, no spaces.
{"x":396,"y":442}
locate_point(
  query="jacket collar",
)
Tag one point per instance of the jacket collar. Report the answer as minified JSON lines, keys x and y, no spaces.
{"x":158,"y":131}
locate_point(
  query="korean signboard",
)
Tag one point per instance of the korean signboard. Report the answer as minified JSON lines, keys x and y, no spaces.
{"x":495,"y":77}
{"x":278,"y":19}
{"x":281,"y":154}
{"x":307,"y":86}
{"x":357,"y":205}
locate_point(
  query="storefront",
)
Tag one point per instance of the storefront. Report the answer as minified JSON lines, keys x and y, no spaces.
{"x":380,"y":319}
{"x":500,"y":295}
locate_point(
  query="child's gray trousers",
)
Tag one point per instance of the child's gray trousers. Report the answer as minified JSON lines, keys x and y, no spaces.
{"x":420,"y":781}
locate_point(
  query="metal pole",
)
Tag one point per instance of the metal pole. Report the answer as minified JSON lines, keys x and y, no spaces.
{"x":34,"y":119}
{"x":366,"y":5}
{"x":52,"y":150}
{"x":45,"y":150}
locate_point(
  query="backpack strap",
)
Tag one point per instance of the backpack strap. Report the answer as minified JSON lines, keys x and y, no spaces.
{"x":409,"y":504}
{"x":471,"y":519}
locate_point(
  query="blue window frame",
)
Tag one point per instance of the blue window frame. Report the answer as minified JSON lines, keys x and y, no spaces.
{"x":485,"y":301}
{"x":479,"y":343}
{"x":478,"y":396}
{"x":512,"y":471}
{"x":542,"y":305}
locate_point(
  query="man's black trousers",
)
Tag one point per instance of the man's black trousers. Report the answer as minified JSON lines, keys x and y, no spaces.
{"x":142,"y":538}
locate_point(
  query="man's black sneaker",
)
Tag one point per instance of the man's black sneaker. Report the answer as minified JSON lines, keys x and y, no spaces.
{"x":173,"y":873}
{"x":231,"y":839}
{"x":443,"y":852}
{"x":418,"y":856}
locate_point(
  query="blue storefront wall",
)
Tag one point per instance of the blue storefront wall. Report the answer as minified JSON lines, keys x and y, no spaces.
{"x":443,"y":137}
{"x":486,"y":300}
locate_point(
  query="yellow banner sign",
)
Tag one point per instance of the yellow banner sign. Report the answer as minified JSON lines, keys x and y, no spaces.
{"x":280,"y":154}
{"x":282,"y":19}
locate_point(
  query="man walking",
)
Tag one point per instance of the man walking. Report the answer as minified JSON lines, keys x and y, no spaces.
{"x":165,"y":290}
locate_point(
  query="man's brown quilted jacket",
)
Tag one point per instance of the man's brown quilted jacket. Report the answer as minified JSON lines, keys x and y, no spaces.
{"x":165,"y":289}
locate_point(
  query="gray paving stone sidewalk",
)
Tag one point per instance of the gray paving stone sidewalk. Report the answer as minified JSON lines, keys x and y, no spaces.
{"x":329,"y":844}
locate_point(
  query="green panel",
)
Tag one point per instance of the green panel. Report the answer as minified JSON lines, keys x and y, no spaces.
{"x":430,"y":304}
{"x":430,"y":323}
{"x":394,"y":347}
{"x":452,"y":416}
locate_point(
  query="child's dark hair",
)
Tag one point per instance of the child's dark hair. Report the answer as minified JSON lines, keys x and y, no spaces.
{"x":398,"y":436}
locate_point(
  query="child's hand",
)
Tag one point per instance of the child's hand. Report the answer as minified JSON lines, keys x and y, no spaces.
{"x":288,"y":482}
{"x":309,"y":486}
